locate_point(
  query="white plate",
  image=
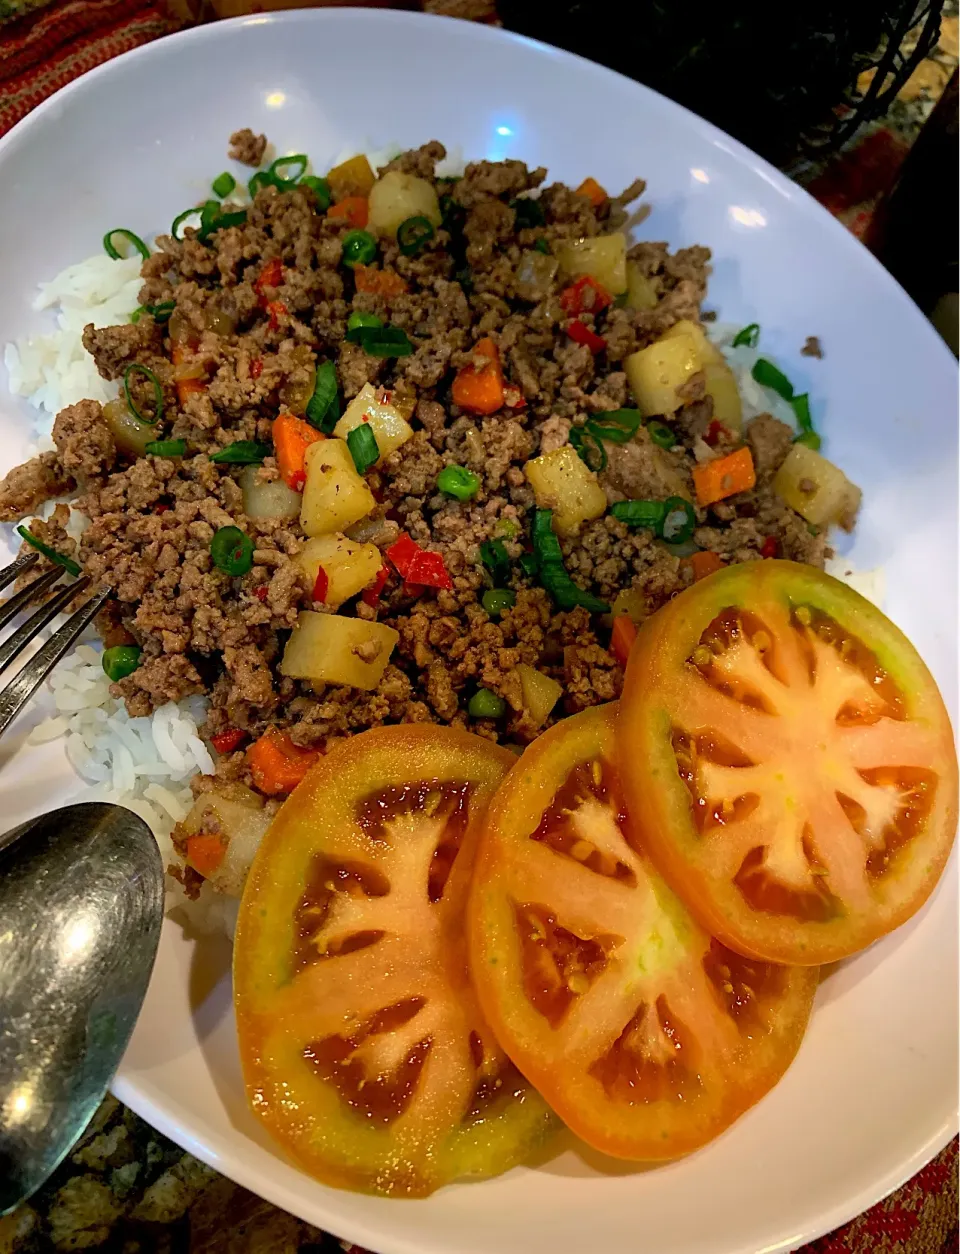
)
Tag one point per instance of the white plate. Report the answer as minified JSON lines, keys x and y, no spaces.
{"x":872,"y":1094}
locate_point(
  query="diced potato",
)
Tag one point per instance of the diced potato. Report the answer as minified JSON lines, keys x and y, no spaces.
{"x":384,"y":420}
{"x":330,"y":649}
{"x":243,"y":820}
{"x":540,"y":693}
{"x":351,"y":178}
{"x":655,"y":372}
{"x":633,"y":603}
{"x":272,"y":499}
{"x":721,"y":386}
{"x":129,"y":434}
{"x":397,"y":196}
{"x":604,"y":258}
{"x":819,"y":491}
{"x":707,"y":350}
{"x":561,"y":481}
{"x":334,"y":495}
{"x":641,"y":291}
{"x":349,"y":566}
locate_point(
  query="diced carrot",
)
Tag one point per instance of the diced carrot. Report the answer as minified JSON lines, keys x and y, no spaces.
{"x":277,"y":764}
{"x":593,"y":192}
{"x":725,"y":476}
{"x":479,"y":386}
{"x":291,"y":439}
{"x":186,"y":386}
{"x":704,"y":563}
{"x":624,"y":634}
{"x":381,"y":282}
{"x":205,"y":852}
{"x":354,"y":210}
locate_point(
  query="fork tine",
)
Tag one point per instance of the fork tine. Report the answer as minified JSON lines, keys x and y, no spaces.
{"x":37,"y":621}
{"x":25,"y":683}
{"x":10,"y":609}
{"x":23,"y":562}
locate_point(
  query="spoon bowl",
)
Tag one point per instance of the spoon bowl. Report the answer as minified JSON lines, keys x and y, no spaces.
{"x":81,"y":906}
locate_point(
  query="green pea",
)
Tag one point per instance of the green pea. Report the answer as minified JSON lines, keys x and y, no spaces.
{"x":486,"y":704}
{"x":121,"y":660}
{"x":496,"y":600}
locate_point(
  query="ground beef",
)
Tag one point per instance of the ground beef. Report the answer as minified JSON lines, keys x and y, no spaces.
{"x":770,"y":440}
{"x":811,"y":347}
{"x":247,"y":147}
{"x":26,"y":487}
{"x":85,"y":446}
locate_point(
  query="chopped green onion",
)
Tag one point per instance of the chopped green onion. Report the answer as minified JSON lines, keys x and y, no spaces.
{"x":496,"y":600}
{"x":459,"y":482}
{"x":553,"y":573}
{"x":486,"y":704}
{"x":679,"y":520}
{"x":320,"y":188}
{"x":241,"y":453}
{"x":298,"y":160}
{"x":262,"y":178}
{"x":166,"y":448}
{"x":647,"y":514}
{"x":750,"y":335}
{"x":231,"y":551}
{"x":67,"y":563}
{"x":528,"y":212}
{"x":386,"y":342}
{"x":137,"y":367}
{"x":616,"y":425}
{"x":159,"y":313}
{"x":111,"y":249}
{"x":413,"y":234}
{"x":542,"y":246}
{"x":661,"y":434}
{"x":322,"y":408}
{"x":801,"y":408}
{"x":224,"y":184}
{"x":494,"y":555}
{"x":222,"y":221}
{"x":360,"y":323}
{"x":182,"y":217}
{"x":363,"y":447}
{"x":120,"y":661}
{"x":589,"y":449}
{"x":810,"y":439}
{"x":768,"y":376}
{"x":358,"y":248}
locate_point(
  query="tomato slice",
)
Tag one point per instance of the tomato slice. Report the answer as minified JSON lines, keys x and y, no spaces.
{"x":645,"y":1035}
{"x":364,"y":1050}
{"x":791,"y":762}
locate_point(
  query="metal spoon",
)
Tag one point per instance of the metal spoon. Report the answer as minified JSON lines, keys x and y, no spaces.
{"x":81,"y":904}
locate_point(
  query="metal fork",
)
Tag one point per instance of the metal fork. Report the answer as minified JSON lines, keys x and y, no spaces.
{"x":28,"y":679}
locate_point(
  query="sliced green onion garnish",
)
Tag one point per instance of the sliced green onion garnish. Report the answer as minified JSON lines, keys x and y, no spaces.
{"x":159,"y":313}
{"x":679,"y":520}
{"x":750,"y":335}
{"x":553,"y":573}
{"x":181,"y":218}
{"x":262,"y":178}
{"x":241,"y":453}
{"x":224,"y":184}
{"x":120,"y":661}
{"x":486,"y":704}
{"x":111,"y":249}
{"x":320,"y":188}
{"x":232,"y":551}
{"x":542,"y":246}
{"x":413,"y":234}
{"x":134,"y":368}
{"x":801,"y":408}
{"x":810,"y":439}
{"x":528,"y":212}
{"x":166,"y":448}
{"x":616,"y":425}
{"x":589,"y":449}
{"x":386,"y":342}
{"x":647,"y":514}
{"x":358,"y":248}
{"x":494,"y":555}
{"x":221,"y":221}
{"x":661,"y":434}
{"x":768,"y":376}
{"x":496,"y":600}
{"x":360,"y":323}
{"x":528,"y":564}
{"x":459,"y":482}
{"x":322,"y":408}
{"x":363,"y":447}
{"x":67,"y":563}
{"x":298,"y":160}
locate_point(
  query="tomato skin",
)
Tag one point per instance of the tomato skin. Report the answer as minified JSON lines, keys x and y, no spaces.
{"x":663,"y":956}
{"x":657,"y":685}
{"x":286,"y":1007}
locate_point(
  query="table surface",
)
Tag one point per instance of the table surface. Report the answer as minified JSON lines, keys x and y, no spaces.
{"x":125,"y":1189}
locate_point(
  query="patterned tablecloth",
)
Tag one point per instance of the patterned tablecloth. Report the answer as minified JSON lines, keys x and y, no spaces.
{"x":125,"y":1189}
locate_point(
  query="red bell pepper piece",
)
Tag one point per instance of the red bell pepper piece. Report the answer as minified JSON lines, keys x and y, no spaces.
{"x":770,"y":547}
{"x":581,"y":334}
{"x":586,"y":295}
{"x":227,"y":741}
{"x":261,"y":592}
{"x":321,"y":585}
{"x":417,"y":565}
{"x":371,"y":596}
{"x":275,"y":309}
{"x":256,"y":368}
{"x":714,"y":431}
{"x":270,"y":276}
